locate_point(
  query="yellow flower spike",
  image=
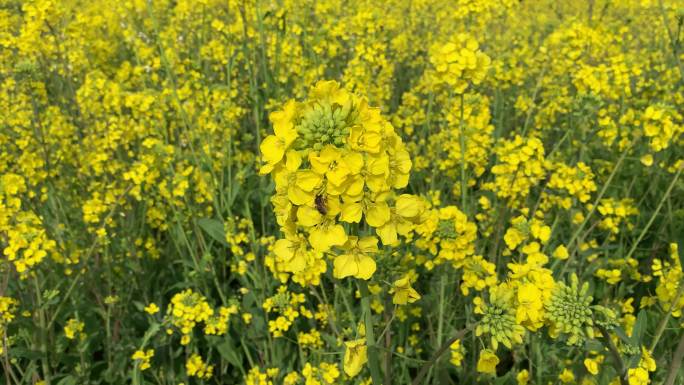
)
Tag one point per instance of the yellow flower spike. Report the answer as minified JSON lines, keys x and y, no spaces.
{"x":355,"y":356}
{"x":530,"y":306}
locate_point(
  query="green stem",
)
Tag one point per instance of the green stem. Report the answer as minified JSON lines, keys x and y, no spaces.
{"x":676,"y":362}
{"x":618,"y":363}
{"x":463,"y":165}
{"x":423,"y":371}
{"x":663,"y":322}
{"x":373,"y":354}
{"x":440,"y":321}
{"x":593,"y":209}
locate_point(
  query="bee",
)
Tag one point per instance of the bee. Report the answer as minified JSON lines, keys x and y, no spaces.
{"x":320,"y":203}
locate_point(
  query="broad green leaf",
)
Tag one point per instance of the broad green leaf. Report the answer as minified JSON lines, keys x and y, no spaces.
{"x":214,"y":229}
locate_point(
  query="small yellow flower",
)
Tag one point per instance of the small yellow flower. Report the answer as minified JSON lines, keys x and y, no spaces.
{"x":143,"y":358}
{"x":73,"y":328}
{"x":152,"y":308}
{"x":403,"y":292}
{"x":355,"y":356}
{"x":487,"y":362}
{"x":592,"y":365}
{"x":647,"y":160}
{"x":196,"y":367}
{"x":561,"y":252}
{"x":457,"y":353}
{"x":357,"y":261}
{"x":523,"y":377}
{"x":566,"y":376}
{"x":530,"y":304}
{"x":638,"y":376}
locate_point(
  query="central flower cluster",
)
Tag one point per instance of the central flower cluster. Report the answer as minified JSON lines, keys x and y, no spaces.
{"x":569,"y":311}
{"x":335,"y":160}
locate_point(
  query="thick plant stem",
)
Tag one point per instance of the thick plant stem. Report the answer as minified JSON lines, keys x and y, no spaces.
{"x":373,"y":353}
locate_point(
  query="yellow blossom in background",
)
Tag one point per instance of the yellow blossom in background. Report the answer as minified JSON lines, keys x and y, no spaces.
{"x":457,"y":353}
{"x":196,"y":367}
{"x":355,"y":356}
{"x":143,"y":357}
{"x":403,"y":292}
{"x":458,"y":62}
{"x":152,"y":308}
{"x":74,"y":328}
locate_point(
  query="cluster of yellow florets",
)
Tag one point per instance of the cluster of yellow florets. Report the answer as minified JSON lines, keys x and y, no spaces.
{"x":522,"y":230}
{"x":616,"y":213}
{"x":459,"y":62}
{"x":571,"y":183}
{"x":8,"y":308}
{"x":74,"y":328}
{"x":143,"y":358}
{"x":188,"y":309}
{"x":335,"y":160}
{"x":447,"y":234}
{"x":26,"y":243}
{"x":661,"y":125}
{"x":520,"y":166}
{"x":670,"y":281}
{"x":289,"y":306}
{"x":196,"y":367}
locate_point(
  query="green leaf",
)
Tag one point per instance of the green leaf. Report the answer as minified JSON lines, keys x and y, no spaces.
{"x":639,"y":328}
{"x":68,"y":380}
{"x":228,"y":353}
{"x":623,"y":336}
{"x":214,"y":229}
{"x":25,"y":353}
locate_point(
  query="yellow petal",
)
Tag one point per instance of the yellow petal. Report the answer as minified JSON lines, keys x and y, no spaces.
{"x":308,"y":180}
{"x":344,"y":266}
{"x":409,"y":206}
{"x":308,"y":216}
{"x":388,"y":233}
{"x":377,"y":214}
{"x":366,"y":268}
{"x":351,"y":212}
{"x":323,"y":237}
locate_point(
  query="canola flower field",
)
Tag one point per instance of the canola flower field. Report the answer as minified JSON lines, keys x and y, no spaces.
{"x":315,"y":192}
